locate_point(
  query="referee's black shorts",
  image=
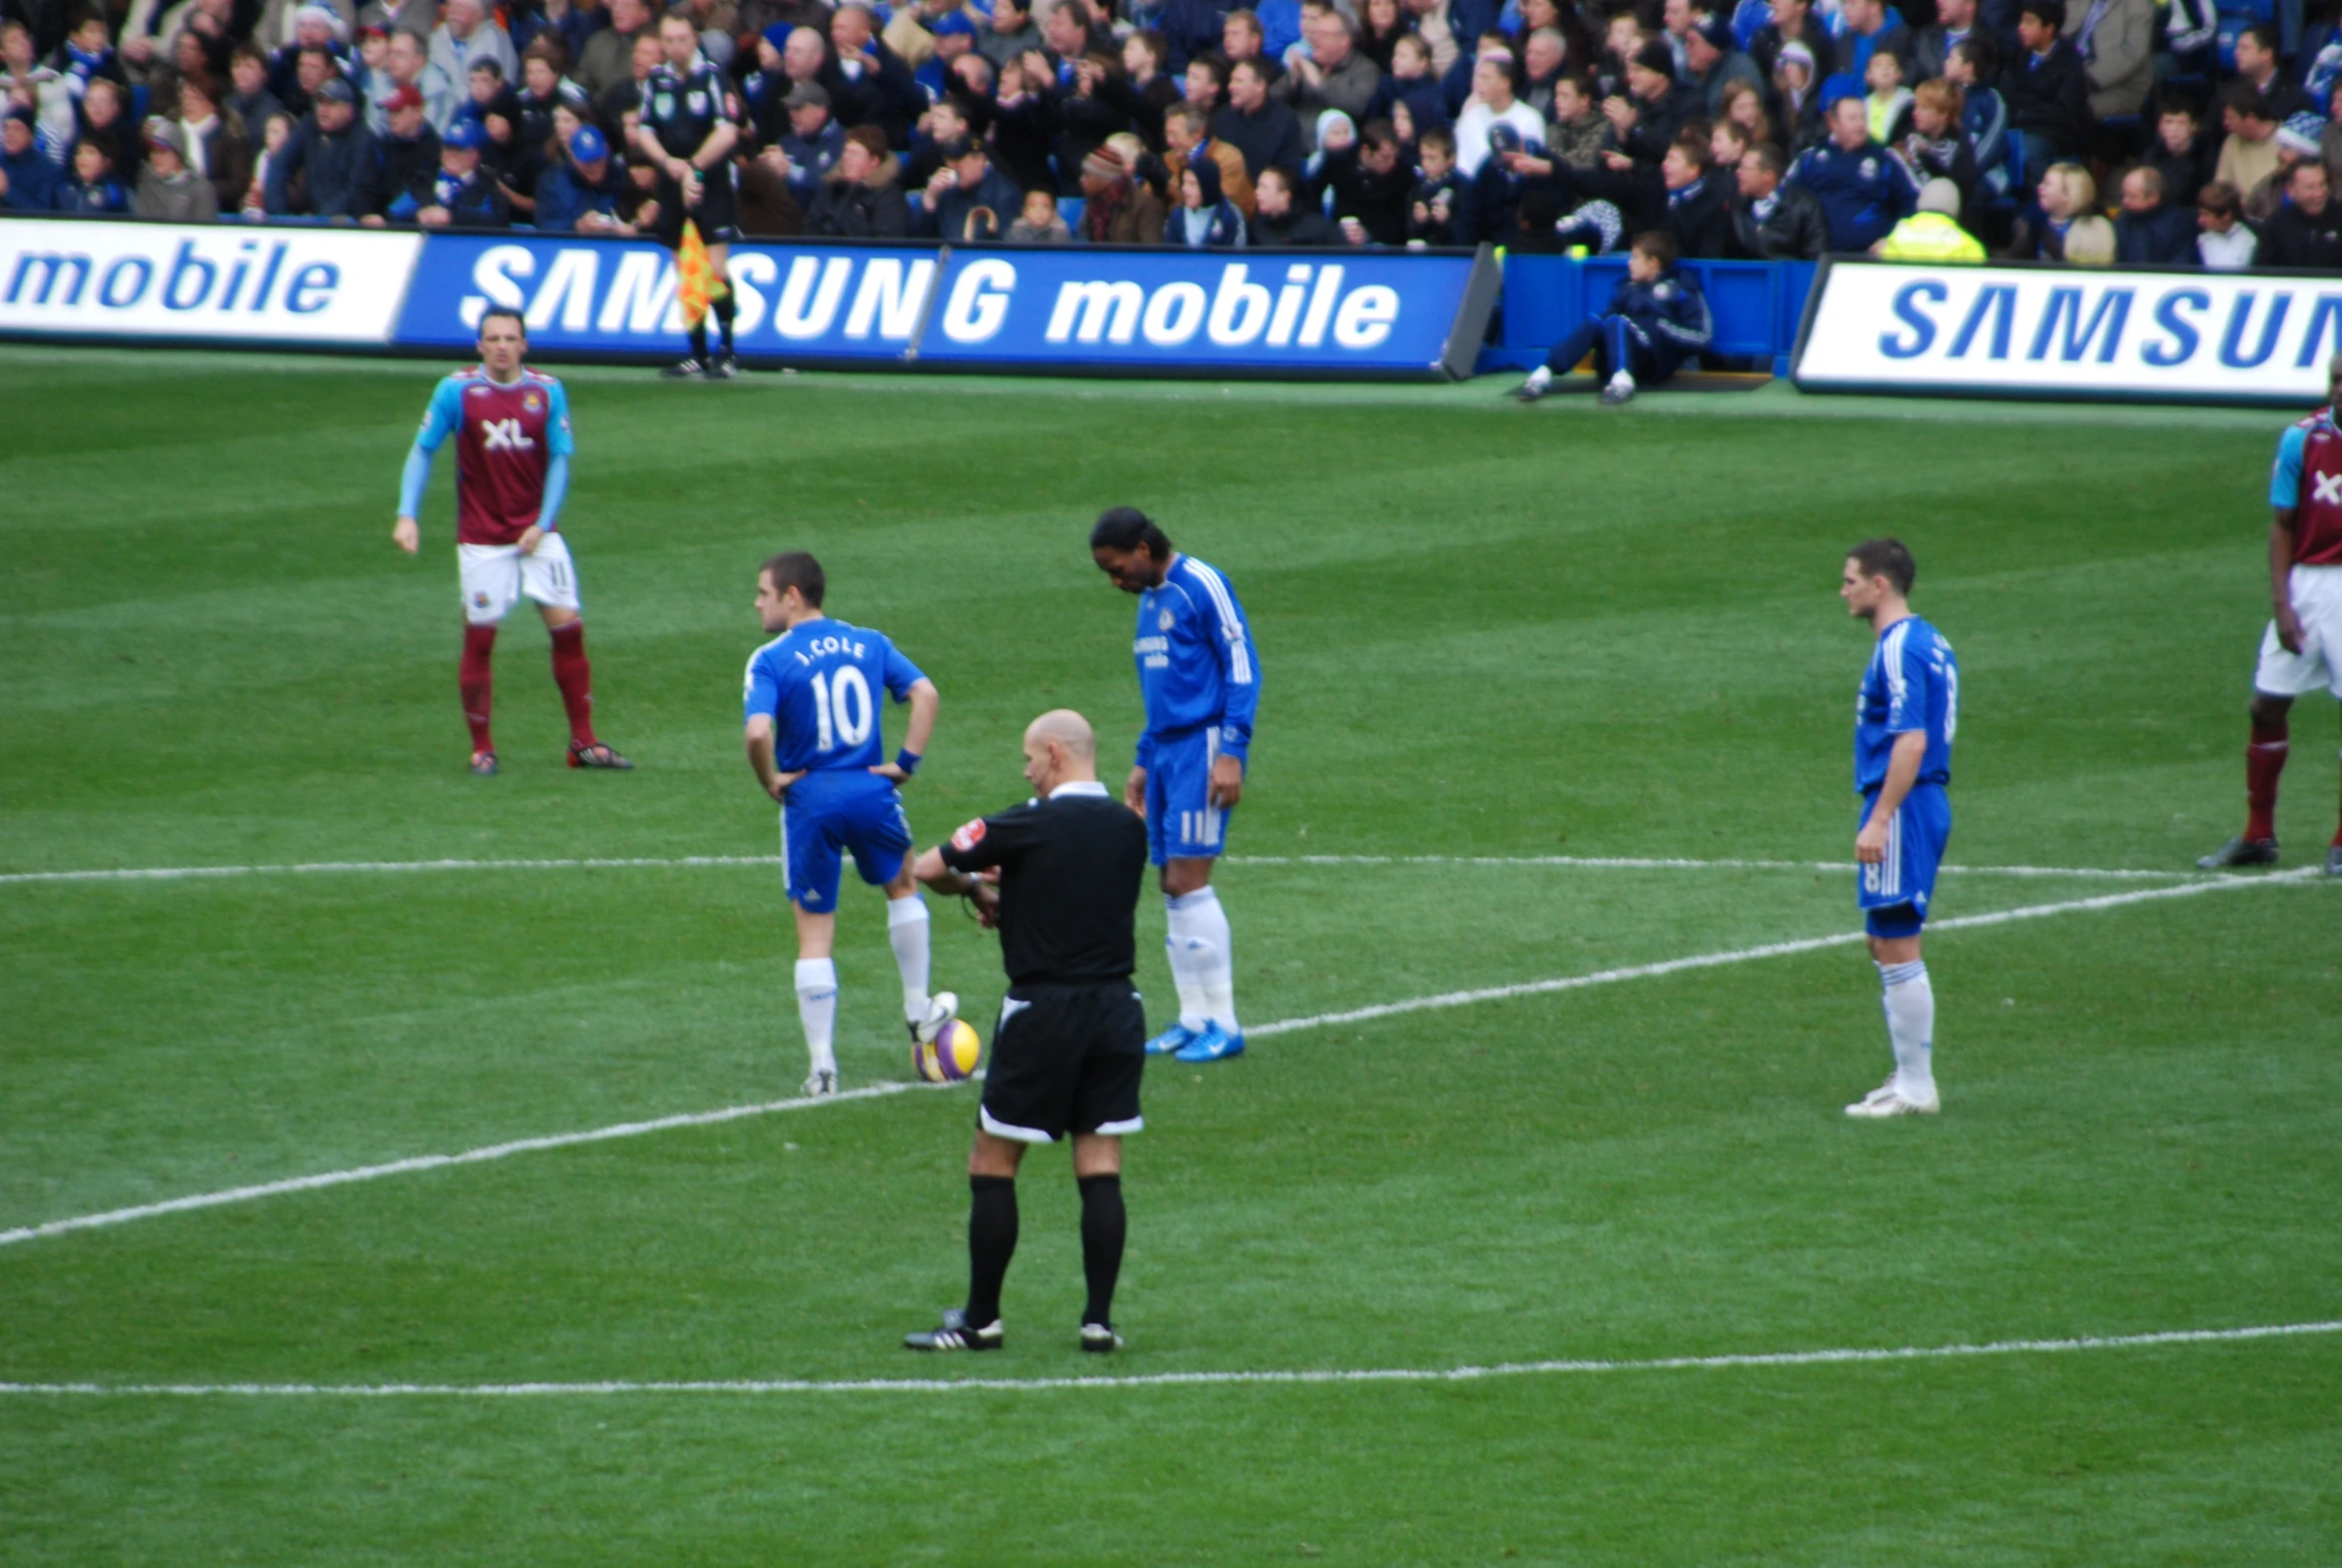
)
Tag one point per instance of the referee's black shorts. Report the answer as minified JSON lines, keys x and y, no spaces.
{"x":717,"y":215}
{"x":1065,"y":1058}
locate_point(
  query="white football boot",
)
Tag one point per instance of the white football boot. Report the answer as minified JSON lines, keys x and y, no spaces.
{"x":941,"y":1008}
{"x":822,"y":1084}
{"x":1888,"y":1099}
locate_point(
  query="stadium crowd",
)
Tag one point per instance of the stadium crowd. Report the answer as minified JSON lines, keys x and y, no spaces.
{"x":2083,"y":131}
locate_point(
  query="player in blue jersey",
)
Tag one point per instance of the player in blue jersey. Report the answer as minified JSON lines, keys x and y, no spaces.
{"x":1200,"y":679}
{"x":813,"y":741}
{"x":1903,"y":721}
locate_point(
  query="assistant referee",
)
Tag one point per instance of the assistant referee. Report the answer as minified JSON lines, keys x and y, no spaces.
{"x":1070,"y":1044}
{"x":687,"y":128}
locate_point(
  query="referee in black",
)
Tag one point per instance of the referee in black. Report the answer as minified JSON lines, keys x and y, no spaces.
{"x":1070,"y":1044}
{"x":689,"y":122}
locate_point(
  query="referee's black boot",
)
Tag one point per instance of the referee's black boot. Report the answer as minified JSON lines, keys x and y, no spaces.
{"x":687,"y":369}
{"x":721,"y":367}
{"x":1101,"y":1338}
{"x":955,"y":1335}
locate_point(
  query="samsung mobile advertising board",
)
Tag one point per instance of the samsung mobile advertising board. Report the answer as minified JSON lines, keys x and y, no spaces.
{"x":1334,"y":313}
{"x":2041,"y":331}
{"x":215,"y":283}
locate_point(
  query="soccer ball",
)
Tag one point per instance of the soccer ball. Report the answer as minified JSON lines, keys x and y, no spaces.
{"x":949,"y":1056}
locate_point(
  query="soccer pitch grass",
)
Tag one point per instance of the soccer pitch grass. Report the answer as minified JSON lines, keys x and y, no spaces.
{"x":1526,"y":639}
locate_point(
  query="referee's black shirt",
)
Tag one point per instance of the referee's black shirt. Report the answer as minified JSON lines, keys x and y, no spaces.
{"x":1070,"y":868}
{"x":683,"y":108}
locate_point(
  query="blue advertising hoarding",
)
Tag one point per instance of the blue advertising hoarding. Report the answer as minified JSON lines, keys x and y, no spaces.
{"x":1047,"y":308}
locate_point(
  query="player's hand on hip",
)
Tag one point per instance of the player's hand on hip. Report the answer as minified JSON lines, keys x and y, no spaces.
{"x":1134,"y":791}
{"x":407,"y":536}
{"x":887,"y":770}
{"x":1869,"y":845}
{"x":2288,"y":628}
{"x":530,"y":537}
{"x":1227,"y":782}
{"x":782,"y":781}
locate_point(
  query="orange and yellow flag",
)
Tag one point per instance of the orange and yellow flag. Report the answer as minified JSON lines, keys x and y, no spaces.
{"x":694,"y":278}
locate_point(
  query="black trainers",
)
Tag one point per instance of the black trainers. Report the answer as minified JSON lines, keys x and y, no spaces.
{"x":2241,"y":851}
{"x":2334,"y":860}
{"x":598,"y":755}
{"x":483,"y":763}
{"x":1529,"y":391}
{"x":723,"y":366}
{"x":1615,"y":395}
{"x":687,"y":369}
{"x":1101,"y":1338}
{"x":955,"y":1335}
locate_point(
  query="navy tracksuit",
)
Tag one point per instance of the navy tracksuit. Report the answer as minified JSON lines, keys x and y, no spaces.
{"x":1648,"y":331}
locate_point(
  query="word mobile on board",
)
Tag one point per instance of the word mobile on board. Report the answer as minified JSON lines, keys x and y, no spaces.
{"x":1075,"y":308}
{"x":214,"y":283}
{"x":2071,"y":333}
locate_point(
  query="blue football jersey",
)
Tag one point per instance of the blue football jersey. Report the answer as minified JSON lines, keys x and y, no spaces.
{"x":1196,"y":662}
{"x":820,"y":682}
{"x":1913,"y":684}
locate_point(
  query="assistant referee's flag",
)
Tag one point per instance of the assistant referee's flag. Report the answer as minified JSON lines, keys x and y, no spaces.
{"x":694,"y":278}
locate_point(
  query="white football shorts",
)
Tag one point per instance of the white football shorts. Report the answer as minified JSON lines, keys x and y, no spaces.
{"x":494,"y":576}
{"x":2317,"y":599}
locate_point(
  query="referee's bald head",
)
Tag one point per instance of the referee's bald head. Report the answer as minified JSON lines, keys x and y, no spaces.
{"x":1068,"y":730}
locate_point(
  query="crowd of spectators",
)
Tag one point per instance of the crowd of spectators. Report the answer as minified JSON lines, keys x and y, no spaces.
{"x":2080,"y":131}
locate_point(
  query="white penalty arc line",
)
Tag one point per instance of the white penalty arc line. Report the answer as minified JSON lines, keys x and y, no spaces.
{"x":1451,"y":999}
{"x":1304,"y":1377}
{"x":689,"y":862}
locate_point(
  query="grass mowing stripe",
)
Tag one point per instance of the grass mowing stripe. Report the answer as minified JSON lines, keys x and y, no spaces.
{"x":470,"y":1156}
{"x":1394,"y":1375}
{"x":1449,"y":999}
{"x":652,"y":862}
{"x":1672,"y":965}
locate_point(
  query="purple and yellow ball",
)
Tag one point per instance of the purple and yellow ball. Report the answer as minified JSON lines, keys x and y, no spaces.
{"x":951,"y":1057}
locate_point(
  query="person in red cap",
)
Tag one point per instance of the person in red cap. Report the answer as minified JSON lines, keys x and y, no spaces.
{"x":405,"y":161}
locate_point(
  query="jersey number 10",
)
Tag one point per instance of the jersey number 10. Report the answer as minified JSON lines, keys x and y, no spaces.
{"x":842,"y":708}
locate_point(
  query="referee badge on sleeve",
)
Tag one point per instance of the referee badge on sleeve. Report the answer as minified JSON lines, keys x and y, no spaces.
{"x":969,"y":836}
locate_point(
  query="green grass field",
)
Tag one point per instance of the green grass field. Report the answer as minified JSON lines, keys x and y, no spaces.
{"x":1504,"y":636}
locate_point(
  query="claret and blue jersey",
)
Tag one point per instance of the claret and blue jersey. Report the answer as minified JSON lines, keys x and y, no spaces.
{"x":512,"y":444}
{"x":820,"y":683}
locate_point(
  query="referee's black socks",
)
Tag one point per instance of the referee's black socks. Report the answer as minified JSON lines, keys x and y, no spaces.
{"x":1104,"y":1224}
{"x":724,"y":308}
{"x":992,"y":1241}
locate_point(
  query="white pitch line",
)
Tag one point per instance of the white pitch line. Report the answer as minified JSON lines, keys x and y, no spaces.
{"x":1607,"y":976}
{"x":1289,"y":1025}
{"x":1637,"y":863}
{"x":952,"y":1385}
{"x":655,"y":862}
{"x":470,"y":1156}
{"x":354,"y":867}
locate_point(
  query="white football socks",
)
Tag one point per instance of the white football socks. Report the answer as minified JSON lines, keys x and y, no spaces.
{"x":1541,"y":377}
{"x":1910,"y":1027}
{"x":1201,"y":964}
{"x":817,"y":1010}
{"x":907,"y":930}
{"x":1624,"y":381}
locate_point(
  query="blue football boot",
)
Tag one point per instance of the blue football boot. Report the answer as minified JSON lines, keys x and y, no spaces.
{"x":1213,"y":1045}
{"x":1175,"y":1039}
